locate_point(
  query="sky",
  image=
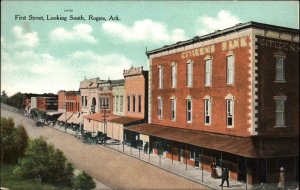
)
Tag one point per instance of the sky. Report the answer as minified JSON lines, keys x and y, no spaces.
{"x":42,"y":52}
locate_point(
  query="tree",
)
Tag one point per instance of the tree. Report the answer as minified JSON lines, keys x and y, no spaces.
{"x":46,"y":163}
{"x":84,"y":182}
{"x":21,"y":139}
{"x":13,"y":141}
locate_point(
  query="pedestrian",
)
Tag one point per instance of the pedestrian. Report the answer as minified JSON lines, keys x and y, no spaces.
{"x":225,"y":176}
{"x":213,"y":170}
{"x":146,"y":148}
{"x":281,"y":179}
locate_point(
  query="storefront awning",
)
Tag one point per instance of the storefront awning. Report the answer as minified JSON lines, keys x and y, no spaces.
{"x":126,"y":120}
{"x":100,"y":117}
{"x":243,"y":146}
{"x":73,"y":118}
{"x":65,"y":116}
{"x":54,"y":113}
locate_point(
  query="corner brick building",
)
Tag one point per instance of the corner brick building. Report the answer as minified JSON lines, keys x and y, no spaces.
{"x":229,"y":97}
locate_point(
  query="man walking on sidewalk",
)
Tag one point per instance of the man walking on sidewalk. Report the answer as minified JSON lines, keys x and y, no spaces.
{"x":225,"y":176}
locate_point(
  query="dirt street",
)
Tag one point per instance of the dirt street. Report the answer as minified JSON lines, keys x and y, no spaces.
{"x":112,"y":168}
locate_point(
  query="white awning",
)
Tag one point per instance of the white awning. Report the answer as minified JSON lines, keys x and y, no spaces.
{"x":54,"y":113}
{"x":65,"y":116}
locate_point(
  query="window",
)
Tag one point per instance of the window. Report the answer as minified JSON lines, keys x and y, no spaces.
{"x":107,"y":103}
{"x":85,"y":101}
{"x":140,"y":103}
{"x":82,"y":100}
{"x":189,"y":110}
{"x":121,"y":103}
{"x":128,"y":103}
{"x":114,"y":103}
{"x":133,"y":103}
{"x":230,"y":112}
{"x":207,"y":111}
{"x":279,"y":75}
{"x":208,"y":69}
{"x":160,"y":77}
{"x":159,"y":108}
{"x":174,"y":75}
{"x":173,"y":109}
{"x":230,"y":69}
{"x":279,"y":117}
{"x":117,"y":103}
{"x":189,"y":68}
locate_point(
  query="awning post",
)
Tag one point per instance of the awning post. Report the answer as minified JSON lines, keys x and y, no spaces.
{"x":246,"y":173}
{"x":172,"y":150}
{"x":139,"y":145}
{"x":185,"y":156}
{"x":202,"y":162}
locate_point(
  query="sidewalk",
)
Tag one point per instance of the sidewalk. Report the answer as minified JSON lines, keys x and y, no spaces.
{"x":181,"y":169}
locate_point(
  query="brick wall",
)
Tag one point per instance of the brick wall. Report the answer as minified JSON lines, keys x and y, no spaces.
{"x":267,"y":89}
{"x":218,"y":91}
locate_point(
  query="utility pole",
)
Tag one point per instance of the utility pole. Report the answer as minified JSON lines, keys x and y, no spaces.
{"x":104,"y":107}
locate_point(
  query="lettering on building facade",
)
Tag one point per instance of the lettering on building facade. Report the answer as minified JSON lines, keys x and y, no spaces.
{"x":277,"y":44}
{"x":226,"y":46}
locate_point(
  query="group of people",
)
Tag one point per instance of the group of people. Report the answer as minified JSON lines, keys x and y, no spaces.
{"x":224,"y":174}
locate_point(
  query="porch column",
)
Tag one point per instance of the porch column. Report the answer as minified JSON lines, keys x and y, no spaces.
{"x":123,"y":139}
{"x":246,"y":172}
{"x":172,"y":150}
{"x":139,"y":145}
{"x":202,"y":162}
{"x":267,"y":172}
{"x":185,"y":156}
{"x":130,"y":142}
{"x":149,"y":148}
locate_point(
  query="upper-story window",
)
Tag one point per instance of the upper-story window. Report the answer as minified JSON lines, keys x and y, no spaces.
{"x":173,"y":108}
{"x":229,"y":111}
{"x":139,"y":103}
{"x":85,"y":100}
{"x":160,"y":77}
{"x":117,"y":103}
{"x":133,"y":103}
{"x":159,"y":107}
{"x":128,"y":103}
{"x":208,"y":72}
{"x":114,"y":103}
{"x":230,"y":69}
{"x":188,"y":109}
{"x":82,"y":100}
{"x":280,"y":111}
{"x":173,"y":75}
{"x":207,"y":110}
{"x":107,"y":103}
{"x":121,"y":103}
{"x":189,"y":73}
{"x":280,"y":67}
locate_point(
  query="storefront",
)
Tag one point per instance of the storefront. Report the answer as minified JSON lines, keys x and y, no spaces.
{"x":254,"y":160}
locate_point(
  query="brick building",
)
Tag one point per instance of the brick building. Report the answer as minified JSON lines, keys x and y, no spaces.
{"x":229,"y":97}
{"x":123,"y":102}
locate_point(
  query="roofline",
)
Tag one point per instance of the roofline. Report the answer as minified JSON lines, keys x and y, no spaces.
{"x":218,"y":33}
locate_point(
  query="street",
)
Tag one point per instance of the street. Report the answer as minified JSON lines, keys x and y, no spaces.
{"x":111,"y":168}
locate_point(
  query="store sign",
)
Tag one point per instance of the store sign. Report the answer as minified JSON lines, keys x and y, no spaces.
{"x":226,"y":46}
{"x":288,"y":46}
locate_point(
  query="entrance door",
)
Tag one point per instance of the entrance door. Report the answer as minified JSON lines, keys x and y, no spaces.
{"x":242,"y":169}
{"x":181,"y":155}
{"x":197,"y":158}
{"x":262,"y":168}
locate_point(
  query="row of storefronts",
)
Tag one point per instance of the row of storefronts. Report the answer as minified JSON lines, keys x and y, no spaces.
{"x":229,"y":98}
